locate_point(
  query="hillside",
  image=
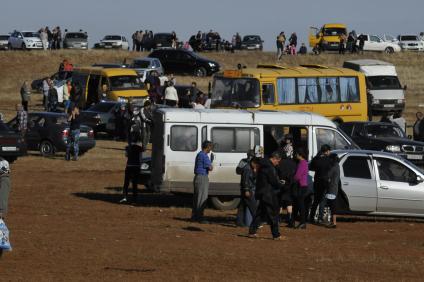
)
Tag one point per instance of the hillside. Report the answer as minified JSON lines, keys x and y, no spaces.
{"x":16,"y":66}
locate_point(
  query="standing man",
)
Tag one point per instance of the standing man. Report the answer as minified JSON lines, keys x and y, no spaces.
{"x":202,"y":167}
{"x":25,"y":95}
{"x":4,"y":194}
{"x":22,"y":119}
{"x":321,"y":165}
{"x":46,"y":88}
{"x":418,"y":135}
{"x":267,"y":189}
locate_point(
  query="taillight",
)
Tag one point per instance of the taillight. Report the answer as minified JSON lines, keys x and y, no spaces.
{"x":65,"y":133}
{"x":91,"y":133}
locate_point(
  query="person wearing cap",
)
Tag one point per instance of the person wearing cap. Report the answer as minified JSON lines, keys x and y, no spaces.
{"x":202,"y":167}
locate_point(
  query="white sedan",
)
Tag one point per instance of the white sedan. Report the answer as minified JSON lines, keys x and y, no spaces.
{"x":114,"y":42}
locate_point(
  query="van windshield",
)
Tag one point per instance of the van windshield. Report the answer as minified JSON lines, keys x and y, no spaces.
{"x":383,"y":82}
{"x":235,"y":92}
{"x":125,"y":82}
{"x":334,"y":31}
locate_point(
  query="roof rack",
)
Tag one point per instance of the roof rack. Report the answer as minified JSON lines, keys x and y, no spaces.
{"x":313,"y":66}
{"x":269,"y":66}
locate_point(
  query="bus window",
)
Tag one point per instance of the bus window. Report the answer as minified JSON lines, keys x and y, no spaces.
{"x":268,"y":94}
{"x":328,"y":88}
{"x":286,"y":88}
{"x":307,"y":91}
{"x":349,"y":89}
{"x":331,"y":138}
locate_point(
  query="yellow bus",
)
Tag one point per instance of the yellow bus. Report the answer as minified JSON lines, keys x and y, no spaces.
{"x":337,"y":93}
{"x":122,"y":85}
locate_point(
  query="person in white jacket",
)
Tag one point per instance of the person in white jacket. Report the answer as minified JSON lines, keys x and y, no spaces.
{"x":171,"y":95}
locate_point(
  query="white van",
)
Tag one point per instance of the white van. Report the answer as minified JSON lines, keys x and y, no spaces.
{"x":179,"y":133}
{"x":383,"y":84}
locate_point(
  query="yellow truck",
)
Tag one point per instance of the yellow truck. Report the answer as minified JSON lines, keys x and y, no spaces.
{"x":326,"y":38}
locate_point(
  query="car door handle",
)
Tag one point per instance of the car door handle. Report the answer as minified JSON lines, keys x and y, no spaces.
{"x":345,"y":183}
{"x":384,"y":187}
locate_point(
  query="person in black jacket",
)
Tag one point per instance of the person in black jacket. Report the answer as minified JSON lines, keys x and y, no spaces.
{"x":267,"y":188}
{"x":321,"y":165}
{"x":132,"y":169}
{"x":286,"y":170}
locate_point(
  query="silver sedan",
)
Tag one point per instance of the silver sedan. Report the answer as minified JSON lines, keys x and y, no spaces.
{"x":380,"y":184}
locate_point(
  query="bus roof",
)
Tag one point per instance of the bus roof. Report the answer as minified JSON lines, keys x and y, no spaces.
{"x":106,"y":71}
{"x":243,"y":117}
{"x":288,"y":71}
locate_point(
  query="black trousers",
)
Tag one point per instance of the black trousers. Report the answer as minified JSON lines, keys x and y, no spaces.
{"x":320,"y":187}
{"x":268,"y":212}
{"x":131,"y":175}
{"x":301,"y":205}
{"x":25,"y":105}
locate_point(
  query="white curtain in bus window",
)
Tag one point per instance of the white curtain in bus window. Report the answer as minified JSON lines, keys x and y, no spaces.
{"x":349,"y":89}
{"x":286,"y":89}
{"x":308,"y":90}
{"x":328,"y":89}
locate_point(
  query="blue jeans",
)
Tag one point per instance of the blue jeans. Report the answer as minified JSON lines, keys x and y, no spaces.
{"x":73,"y":141}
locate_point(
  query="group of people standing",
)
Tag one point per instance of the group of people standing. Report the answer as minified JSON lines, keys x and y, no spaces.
{"x":274,"y":183}
{"x":290,"y":48}
{"x":51,"y":39}
{"x":351,"y":42}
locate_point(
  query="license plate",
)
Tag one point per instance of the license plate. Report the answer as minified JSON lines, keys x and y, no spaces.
{"x":83,"y":134}
{"x":414,"y":157}
{"x":9,"y":149}
{"x":250,"y":48}
{"x":389,"y":106}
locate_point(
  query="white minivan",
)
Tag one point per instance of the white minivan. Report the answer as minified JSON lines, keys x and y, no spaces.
{"x":179,"y":133}
{"x":383,"y":84}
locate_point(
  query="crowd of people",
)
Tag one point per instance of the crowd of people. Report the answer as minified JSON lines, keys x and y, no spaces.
{"x":351,"y":43}
{"x":291,"y":47}
{"x":271,"y":184}
{"x":51,"y":39}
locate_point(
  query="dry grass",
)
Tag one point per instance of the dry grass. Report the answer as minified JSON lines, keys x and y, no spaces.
{"x":16,"y":66}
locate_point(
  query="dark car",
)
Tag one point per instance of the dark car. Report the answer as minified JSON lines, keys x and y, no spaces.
{"x":12,"y":145}
{"x":252,"y":42}
{"x":48,"y":132}
{"x":37,"y":85}
{"x":180,"y":61}
{"x":384,"y":136}
{"x":162,"y":40}
{"x":101,"y":117}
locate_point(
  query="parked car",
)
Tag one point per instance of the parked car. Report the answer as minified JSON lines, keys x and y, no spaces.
{"x":75,"y":40}
{"x":101,"y":117}
{"x":252,"y":42}
{"x":4,"y":42}
{"x":387,"y":137}
{"x":377,"y":44}
{"x":185,"y":62}
{"x":25,"y":40}
{"x":48,"y":132}
{"x":143,"y":66}
{"x":378,"y":183}
{"x":37,"y":84}
{"x":162,"y":40}
{"x":410,"y":43}
{"x":12,"y":145}
{"x":113,"y":42}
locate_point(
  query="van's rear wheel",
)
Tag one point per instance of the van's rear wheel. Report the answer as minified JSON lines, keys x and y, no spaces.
{"x":225,"y":203}
{"x":200,"y":72}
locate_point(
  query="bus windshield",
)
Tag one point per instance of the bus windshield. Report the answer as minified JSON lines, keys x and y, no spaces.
{"x":235,"y":92}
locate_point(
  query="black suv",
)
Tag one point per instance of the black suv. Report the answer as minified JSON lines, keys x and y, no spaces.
{"x":252,"y":42}
{"x":180,"y":61}
{"x":12,"y":145}
{"x":384,"y":136}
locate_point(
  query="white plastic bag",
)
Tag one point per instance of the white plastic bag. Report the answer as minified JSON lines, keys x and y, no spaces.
{"x":4,"y":237}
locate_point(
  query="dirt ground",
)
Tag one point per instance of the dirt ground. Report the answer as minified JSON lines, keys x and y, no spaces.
{"x":66,"y":224}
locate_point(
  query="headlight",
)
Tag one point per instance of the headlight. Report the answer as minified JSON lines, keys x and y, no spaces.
{"x":84,"y":43}
{"x":115,"y":43}
{"x":400,"y":101}
{"x":376,"y":101}
{"x":211,"y":65}
{"x":122,"y":100}
{"x":393,"y":148}
{"x":144,"y":166}
{"x":29,"y":41}
{"x":258,"y":45}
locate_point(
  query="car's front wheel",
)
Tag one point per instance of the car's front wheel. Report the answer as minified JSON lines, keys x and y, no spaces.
{"x":9,"y":46}
{"x":23,"y":46}
{"x":47,"y":148}
{"x":200,"y":72}
{"x":389,"y":50}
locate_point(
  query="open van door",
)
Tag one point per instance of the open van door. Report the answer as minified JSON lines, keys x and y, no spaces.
{"x":314,"y":37}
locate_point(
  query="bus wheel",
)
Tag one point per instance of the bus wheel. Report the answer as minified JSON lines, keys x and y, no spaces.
{"x":225,"y":203}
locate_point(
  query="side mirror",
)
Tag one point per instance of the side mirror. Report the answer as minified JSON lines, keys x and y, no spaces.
{"x":419,"y":179}
{"x":410,"y":137}
{"x":405,"y":87}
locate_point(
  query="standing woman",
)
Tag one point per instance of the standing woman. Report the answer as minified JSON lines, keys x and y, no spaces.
{"x":333,"y":188}
{"x":301,"y":193}
{"x":75,"y":123}
{"x":25,"y":95}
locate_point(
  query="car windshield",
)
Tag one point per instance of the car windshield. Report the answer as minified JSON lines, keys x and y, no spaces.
{"x":101,"y":107}
{"x":251,"y":38}
{"x":383,"y":82}
{"x":124,"y":82}
{"x":60,"y":119}
{"x":4,"y":37}
{"x":235,"y":92}
{"x":31,"y":34}
{"x":143,"y":64}
{"x":76,"y":35}
{"x":409,"y":38}
{"x":384,"y":130}
{"x":163,"y":37}
{"x":334,"y":31}
{"x":112,"y":37}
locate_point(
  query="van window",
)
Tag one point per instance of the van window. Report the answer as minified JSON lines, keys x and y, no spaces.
{"x":236,"y":140}
{"x":275,"y":134}
{"x":268,"y":94}
{"x":332,"y":138}
{"x":183,"y":138}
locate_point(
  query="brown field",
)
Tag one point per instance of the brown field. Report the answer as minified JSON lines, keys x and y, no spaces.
{"x":66,"y":223}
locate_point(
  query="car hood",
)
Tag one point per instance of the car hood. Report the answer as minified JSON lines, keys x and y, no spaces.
{"x":384,"y":94}
{"x":110,"y":41}
{"x":32,"y":38}
{"x":398,"y":141}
